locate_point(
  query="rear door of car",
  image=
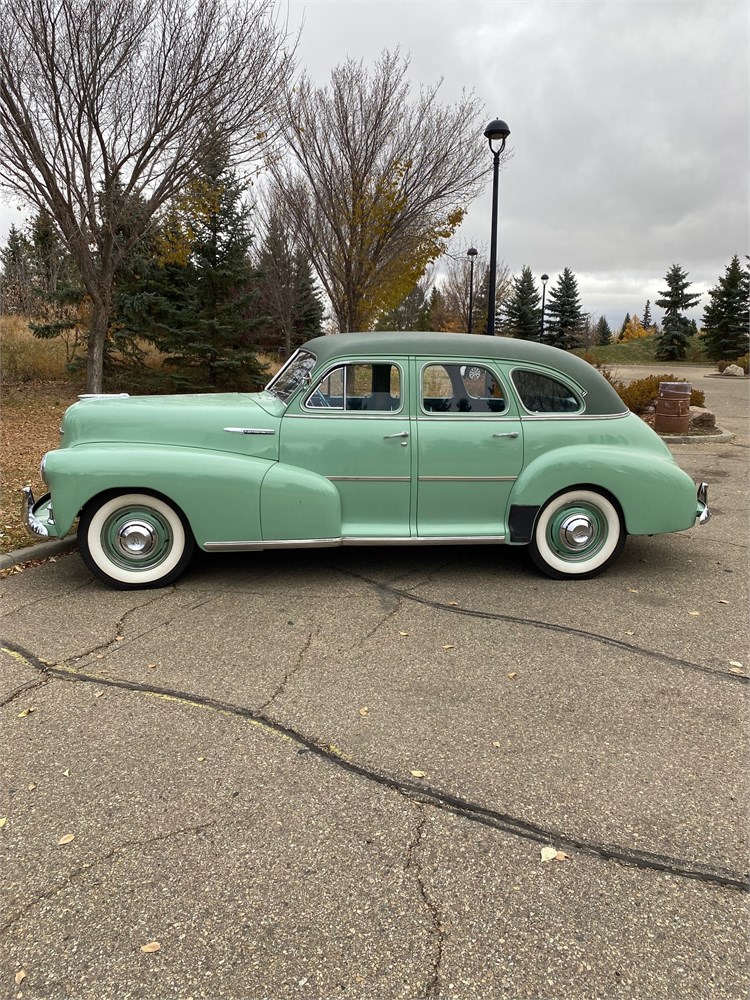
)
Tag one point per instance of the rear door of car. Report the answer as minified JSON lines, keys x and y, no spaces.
{"x":469,"y":447}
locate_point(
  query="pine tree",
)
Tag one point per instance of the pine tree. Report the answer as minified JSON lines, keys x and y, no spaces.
{"x":675,"y":335}
{"x":521,"y":313}
{"x":603,"y":332}
{"x":726,"y":317}
{"x":16,"y":274}
{"x":624,"y":324}
{"x":563,"y":328}
{"x":412,"y":313}
{"x":646,"y":322}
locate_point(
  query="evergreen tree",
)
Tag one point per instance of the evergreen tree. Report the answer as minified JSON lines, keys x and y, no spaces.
{"x":287,"y":295}
{"x":412,"y":313}
{"x":16,"y":274}
{"x":625,"y":323}
{"x":646,"y":322}
{"x":603,"y":332}
{"x":196,"y":298}
{"x":521,"y":314}
{"x":59,"y":297}
{"x":564,"y":326}
{"x":673,"y":341}
{"x":726,"y":317}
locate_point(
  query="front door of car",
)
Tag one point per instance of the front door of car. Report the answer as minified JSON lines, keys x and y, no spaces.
{"x":352,"y":426}
{"x":469,"y":448}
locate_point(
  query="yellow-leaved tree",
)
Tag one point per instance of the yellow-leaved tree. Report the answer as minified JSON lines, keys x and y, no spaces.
{"x":634,"y":329}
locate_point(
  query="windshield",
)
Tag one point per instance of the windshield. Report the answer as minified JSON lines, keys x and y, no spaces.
{"x":296,"y":372}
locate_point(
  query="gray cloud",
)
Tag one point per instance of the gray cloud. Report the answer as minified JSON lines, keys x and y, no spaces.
{"x":629,"y":126}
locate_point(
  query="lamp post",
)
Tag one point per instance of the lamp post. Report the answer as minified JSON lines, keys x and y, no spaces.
{"x":545,"y":279}
{"x":496,"y":133}
{"x":471,"y":253}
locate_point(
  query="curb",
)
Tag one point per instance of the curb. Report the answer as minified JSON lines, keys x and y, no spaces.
{"x":42,"y":550}
{"x":698,"y":438}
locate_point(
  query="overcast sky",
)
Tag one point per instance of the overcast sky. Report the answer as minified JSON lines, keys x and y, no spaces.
{"x":629,"y":127}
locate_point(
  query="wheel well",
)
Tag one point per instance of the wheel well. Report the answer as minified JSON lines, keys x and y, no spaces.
{"x":593,"y":488}
{"x":108,"y":494}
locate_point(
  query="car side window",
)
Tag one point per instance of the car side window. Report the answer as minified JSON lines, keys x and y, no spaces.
{"x":370,"y":388}
{"x":461,"y":388}
{"x":543,"y":394}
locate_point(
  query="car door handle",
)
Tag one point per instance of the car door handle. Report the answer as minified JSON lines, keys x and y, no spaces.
{"x":507,"y":434}
{"x":401,"y":434}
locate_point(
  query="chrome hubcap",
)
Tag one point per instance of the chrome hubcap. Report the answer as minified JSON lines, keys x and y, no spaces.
{"x":576,"y":532}
{"x":136,"y":539}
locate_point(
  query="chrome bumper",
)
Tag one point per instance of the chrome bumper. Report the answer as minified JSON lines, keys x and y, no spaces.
{"x":703,"y":513}
{"x":31,"y":522}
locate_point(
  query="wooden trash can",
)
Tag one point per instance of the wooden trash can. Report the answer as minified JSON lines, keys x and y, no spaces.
{"x":673,"y":408}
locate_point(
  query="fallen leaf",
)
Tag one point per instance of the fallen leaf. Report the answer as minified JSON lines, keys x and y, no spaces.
{"x":151,"y":947}
{"x":66,"y":772}
{"x":452,"y":604}
{"x":402,"y":633}
{"x":100,"y":656}
{"x":512,"y":676}
{"x":695,"y":614}
{"x":449,"y":647}
{"x":548,"y":853}
{"x":630,"y":633}
{"x":562,"y":856}
{"x":496,"y":743}
{"x":3,"y":821}
{"x":201,"y":759}
{"x":20,"y":976}
{"x":119,"y":638}
{"x":735,"y":663}
{"x":722,"y":601}
{"x":736,"y":670}
{"x":417,"y":774}
{"x":632,"y":591}
{"x":98,"y":694}
{"x":67,"y":839}
{"x":25,"y":712}
{"x":32,"y":786}
{"x":151,"y":666}
{"x":363,"y":711}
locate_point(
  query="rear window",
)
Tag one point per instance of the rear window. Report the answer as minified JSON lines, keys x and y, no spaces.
{"x":544,"y":394}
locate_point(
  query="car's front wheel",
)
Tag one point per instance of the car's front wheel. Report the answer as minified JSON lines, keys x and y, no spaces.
{"x":133,"y":540}
{"x":578,"y":533}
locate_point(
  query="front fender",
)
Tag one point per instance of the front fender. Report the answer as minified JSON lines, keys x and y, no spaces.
{"x":654,"y":493}
{"x":219,"y":493}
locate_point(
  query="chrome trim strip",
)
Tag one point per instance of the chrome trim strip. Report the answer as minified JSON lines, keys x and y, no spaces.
{"x":368,"y":479}
{"x":32,"y":524}
{"x":467,"y":479}
{"x":330,"y":543}
{"x":575,"y":416}
{"x":249,"y":430}
{"x":103,"y":395}
{"x":347,"y":415}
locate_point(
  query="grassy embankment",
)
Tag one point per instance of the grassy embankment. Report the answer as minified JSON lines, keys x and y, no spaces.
{"x":642,"y":351}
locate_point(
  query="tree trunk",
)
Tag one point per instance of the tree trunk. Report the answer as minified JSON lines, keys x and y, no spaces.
{"x":100,"y":316}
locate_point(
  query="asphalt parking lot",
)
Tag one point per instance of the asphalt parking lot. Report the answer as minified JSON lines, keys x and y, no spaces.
{"x":334,"y":773}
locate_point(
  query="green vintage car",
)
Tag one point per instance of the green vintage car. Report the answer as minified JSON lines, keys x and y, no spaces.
{"x":367,"y":439}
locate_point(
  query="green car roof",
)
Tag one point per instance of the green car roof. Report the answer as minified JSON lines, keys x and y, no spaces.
{"x":601,"y":398}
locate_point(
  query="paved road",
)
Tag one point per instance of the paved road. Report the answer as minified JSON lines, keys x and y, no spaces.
{"x":236,"y":755}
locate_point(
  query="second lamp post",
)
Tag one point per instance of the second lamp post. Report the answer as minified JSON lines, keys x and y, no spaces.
{"x":496,"y":133}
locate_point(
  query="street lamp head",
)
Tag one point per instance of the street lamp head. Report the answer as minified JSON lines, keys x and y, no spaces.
{"x":545,"y":278}
{"x":497,"y":131}
{"x":472,"y":252}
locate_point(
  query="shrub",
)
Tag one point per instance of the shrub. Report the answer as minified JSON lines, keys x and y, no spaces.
{"x":642,"y":393}
{"x":721,"y":365}
{"x":743,"y":363}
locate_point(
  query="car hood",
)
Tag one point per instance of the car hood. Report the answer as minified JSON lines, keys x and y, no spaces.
{"x":233,"y":422}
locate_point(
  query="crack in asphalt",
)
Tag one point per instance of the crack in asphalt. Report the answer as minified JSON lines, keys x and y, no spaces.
{"x":31,"y":686}
{"x":432,"y":987}
{"x":87,"y":866}
{"x":288,"y":674}
{"x":606,"y":640}
{"x":416,"y":791}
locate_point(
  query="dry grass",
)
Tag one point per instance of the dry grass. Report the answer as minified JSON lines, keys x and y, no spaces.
{"x":25,"y":358}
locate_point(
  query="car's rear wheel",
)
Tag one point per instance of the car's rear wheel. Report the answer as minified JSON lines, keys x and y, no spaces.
{"x":578,"y":533}
{"x":133,"y":540}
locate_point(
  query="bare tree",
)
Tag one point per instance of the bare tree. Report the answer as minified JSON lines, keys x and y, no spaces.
{"x":378,"y":180}
{"x":454,"y":285}
{"x":108,"y":108}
